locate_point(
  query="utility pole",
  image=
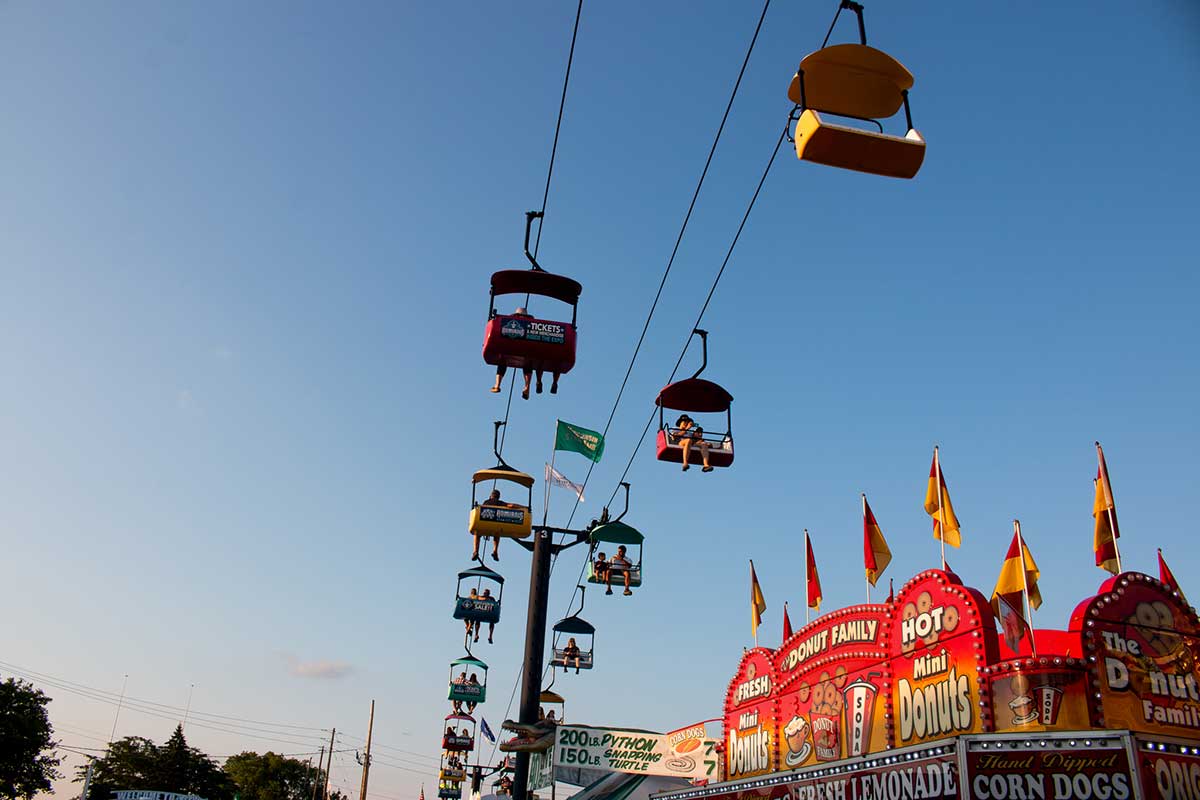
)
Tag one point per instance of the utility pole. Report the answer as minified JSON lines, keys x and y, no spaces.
{"x":328,"y":769}
{"x":87,"y":779}
{"x":366,"y":760}
{"x":320,"y":761}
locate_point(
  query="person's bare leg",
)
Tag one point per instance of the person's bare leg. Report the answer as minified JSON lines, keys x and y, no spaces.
{"x":627,"y":589}
{"x":475,"y":551}
{"x":554,"y":384}
{"x":539,"y":381}
{"x":686,"y":444}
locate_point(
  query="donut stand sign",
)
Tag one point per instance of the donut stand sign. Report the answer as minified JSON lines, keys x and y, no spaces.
{"x":831,"y":680}
{"x":1144,"y":639}
{"x":938,"y":647}
{"x":751,"y":718}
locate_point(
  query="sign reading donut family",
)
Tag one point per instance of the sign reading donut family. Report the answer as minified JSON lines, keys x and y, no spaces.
{"x":929,"y":665}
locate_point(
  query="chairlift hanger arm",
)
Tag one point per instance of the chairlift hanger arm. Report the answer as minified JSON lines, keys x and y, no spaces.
{"x":703,"y":334}
{"x":625,"y":485}
{"x":530,"y":216}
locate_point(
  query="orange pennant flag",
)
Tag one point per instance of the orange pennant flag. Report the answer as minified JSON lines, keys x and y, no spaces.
{"x":1104,"y":509}
{"x":937,"y":505}
{"x":876,"y":554}
{"x":787,"y":624}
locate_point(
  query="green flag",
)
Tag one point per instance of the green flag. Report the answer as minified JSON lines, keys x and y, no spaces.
{"x":579,"y":440}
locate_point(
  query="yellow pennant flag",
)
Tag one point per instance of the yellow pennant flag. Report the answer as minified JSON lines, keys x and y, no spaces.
{"x":937,"y":505}
{"x":757,"y":604}
{"x":1011,"y":580}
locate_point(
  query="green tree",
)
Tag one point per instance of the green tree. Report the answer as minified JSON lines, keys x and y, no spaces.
{"x":138,"y":763}
{"x":271,"y":776}
{"x":27,"y":756}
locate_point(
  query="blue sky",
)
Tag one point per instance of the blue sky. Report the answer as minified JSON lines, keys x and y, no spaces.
{"x":244,"y":253}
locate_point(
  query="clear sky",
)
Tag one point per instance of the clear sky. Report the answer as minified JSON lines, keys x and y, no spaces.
{"x":244,"y":257}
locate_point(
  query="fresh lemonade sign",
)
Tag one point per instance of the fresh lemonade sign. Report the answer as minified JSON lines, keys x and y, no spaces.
{"x":633,"y":751}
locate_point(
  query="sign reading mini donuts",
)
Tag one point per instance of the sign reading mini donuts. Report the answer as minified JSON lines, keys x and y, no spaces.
{"x":751,"y":719}
{"x":939,"y":644}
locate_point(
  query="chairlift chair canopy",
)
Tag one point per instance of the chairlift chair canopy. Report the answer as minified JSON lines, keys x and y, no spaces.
{"x":459,"y":742}
{"x":702,"y":397}
{"x":574,"y":626}
{"x":527,"y":342}
{"x":468,"y":692}
{"x":556,"y":702}
{"x":859,"y":82}
{"x":478,"y":609}
{"x":510,"y":520}
{"x":617,"y":533}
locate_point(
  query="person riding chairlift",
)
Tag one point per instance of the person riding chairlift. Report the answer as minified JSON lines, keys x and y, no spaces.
{"x":570,"y":653}
{"x":494,"y":501}
{"x":619,"y":564}
{"x":522,"y":313}
{"x":487,"y":595}
{"x":688,"y":434}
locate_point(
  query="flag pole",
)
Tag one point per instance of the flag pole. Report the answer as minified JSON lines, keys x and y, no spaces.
{"x":1025,"y":585}
{"x":807,"y":607}
{"x":864,"y":548}
{"x":864,"y":505}
{"x":1110,"y":504}
{"x":753,"y":607}
{"x":941,"y":497}
{"x":553,"y":453}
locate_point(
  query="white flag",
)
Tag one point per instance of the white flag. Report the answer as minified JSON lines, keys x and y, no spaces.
{"x":558,"y":479}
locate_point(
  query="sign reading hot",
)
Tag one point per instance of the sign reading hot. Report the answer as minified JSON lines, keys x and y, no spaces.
{"x":938,"y":645}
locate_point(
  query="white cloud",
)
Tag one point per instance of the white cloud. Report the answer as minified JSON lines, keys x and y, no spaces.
{"x":320,"y":669}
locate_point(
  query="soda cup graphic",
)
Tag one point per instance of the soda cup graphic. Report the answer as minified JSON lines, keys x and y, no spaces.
{"x":1049,"y":700}
{"x":860,"y":708}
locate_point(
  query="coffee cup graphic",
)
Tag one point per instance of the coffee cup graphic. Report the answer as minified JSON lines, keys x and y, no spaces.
{"x":1023,"y":706}
{"x":795,"y":733}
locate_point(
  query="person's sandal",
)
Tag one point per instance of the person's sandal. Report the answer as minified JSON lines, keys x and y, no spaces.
{"x":494,"y":390}
{"x":706,"y":469}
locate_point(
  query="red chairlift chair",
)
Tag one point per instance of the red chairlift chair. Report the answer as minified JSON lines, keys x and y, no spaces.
{"x":694,"y":395}
{"x":523,"y":341}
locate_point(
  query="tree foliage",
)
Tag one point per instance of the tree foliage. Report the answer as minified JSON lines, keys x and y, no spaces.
{"x":271,"y":776}
{"x":138,"y":763}
{"x":27,"y":756}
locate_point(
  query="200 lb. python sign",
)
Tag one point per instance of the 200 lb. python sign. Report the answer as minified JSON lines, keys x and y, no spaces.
{"x":634,"y":751}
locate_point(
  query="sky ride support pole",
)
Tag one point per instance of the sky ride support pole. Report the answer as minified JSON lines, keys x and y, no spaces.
{"x":535,"y":645}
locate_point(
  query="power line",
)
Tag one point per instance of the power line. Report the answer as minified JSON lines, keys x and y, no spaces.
{"x":98,"y":697}
{"x":164,"y":706}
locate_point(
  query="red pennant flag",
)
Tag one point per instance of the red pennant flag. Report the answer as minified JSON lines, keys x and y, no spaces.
{"x":1166,"y":576}
{"x":876,"y":555}
{"x":891,"y":591}
{"x":814,"y":580}
{"x":787,"y":624}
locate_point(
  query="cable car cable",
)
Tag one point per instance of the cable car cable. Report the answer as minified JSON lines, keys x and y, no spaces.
{"x":704,"y":307}
{"x":678,"y":241}
{"x":667,"y":272}
{"x":562,"y":103}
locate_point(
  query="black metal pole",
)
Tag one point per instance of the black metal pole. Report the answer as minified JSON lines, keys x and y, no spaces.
{"x":535,"y":645}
